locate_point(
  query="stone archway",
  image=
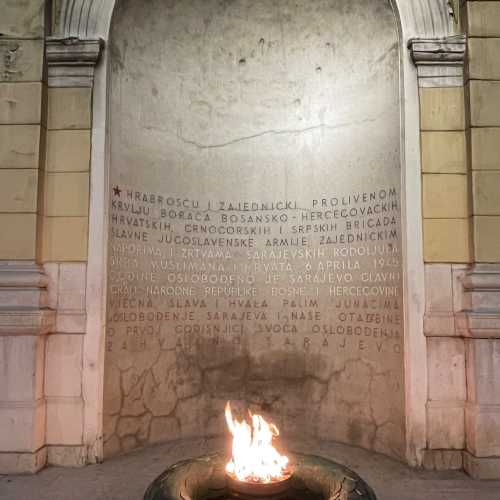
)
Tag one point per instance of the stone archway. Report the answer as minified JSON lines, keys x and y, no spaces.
{"x":88,"y":19}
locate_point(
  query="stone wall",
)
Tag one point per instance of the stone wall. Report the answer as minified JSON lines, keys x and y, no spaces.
{"x":24,"y":318}
{"x":44,"y":171}
{"x":45,"y":161}
{"x":224,"y":113}
{"x":480,"y":323}
{"x":460,"y":210}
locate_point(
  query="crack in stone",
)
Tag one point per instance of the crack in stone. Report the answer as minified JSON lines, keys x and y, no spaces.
{"x":237,"y":140}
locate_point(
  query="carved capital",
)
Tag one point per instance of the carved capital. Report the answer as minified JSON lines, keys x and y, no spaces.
{"x":71,"y":61}
{"x":439,"y":61}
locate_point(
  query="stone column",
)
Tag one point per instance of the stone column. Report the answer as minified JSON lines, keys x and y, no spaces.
{"x":447,"y":240}
{"x":64,"y":239}
{"x":479,"y":322}
{"x":24,"y":317}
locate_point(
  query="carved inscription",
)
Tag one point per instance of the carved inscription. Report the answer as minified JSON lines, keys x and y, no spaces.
{"x":318,"y":275}
{"x":254,"y":221}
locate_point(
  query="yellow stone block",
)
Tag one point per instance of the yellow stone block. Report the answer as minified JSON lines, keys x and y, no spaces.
{"x":486,"y":192}
{"x":484,"y":58}
{"x":69,"y":108}
{"x":485,"y":146}
{"x":20,"y":103}
{"x":68,"y":151}
{"x":17,"y":236}
{"x":445,"y":196}
{"x":18,"y":190}
{"x":442,"y":108}
{"x":447,"y":240}
{"x":24,"y":18}
{"x":21,"y":60}
{"x":19,"y":146}
{"x":444,"y":152}
{"x":484,"y":103}
{"x":483,"y":18}
{"x":64,"y":239}
{"x":66,"y":194}
{"x":487,"y":238}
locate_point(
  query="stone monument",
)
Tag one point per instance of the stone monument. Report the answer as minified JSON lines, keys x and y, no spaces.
{"x":255,"y":220}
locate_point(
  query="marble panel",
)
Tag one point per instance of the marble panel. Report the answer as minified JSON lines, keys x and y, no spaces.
{"x":255,"y":221}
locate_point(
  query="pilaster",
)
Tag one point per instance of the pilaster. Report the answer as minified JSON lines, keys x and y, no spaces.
{"x":64,"y":220}
{"x":447,"y":246}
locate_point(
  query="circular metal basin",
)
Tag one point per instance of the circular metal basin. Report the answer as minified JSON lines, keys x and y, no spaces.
{"x":204,"y":478}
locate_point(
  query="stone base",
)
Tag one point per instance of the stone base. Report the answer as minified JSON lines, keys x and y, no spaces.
{"x":23,"y":463}
{"x":481,"y":467}
{"x":442,"y":460}
{"x":67,"y":456}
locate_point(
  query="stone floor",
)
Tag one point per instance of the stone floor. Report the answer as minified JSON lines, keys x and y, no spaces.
{"x":126,"y":477}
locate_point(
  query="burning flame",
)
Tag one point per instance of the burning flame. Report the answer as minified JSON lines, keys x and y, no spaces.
{"x":254,"y":458}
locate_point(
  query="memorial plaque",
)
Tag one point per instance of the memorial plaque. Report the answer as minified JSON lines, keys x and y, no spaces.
{"x":255,"y":220}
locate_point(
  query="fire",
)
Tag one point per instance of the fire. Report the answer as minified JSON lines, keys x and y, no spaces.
{"x":254,"y":457}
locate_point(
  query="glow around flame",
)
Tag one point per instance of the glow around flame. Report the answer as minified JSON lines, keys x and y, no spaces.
{"x":254,"y":458}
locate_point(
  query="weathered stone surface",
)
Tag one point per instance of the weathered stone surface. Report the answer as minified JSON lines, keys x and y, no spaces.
{"x":20,"y":146}
{"x":266,"y":115}
{"x":483,"y":19}
{"x":64,"y":239}
{"x":22,"y":427}
{"x":67,"y":456}
{"x":443,"y":153}
{"x":112,"y":396}
{"x":64,"y":421}
{"x":18,"y":190}
{"x":483,"y":55}
{"x":69,"y":108}
{"x":20,"y":103}
{"x":17,"y":236}
{"x":442,"y":109}
{"x":486,"y":189}
{"x":112,"y":446}
{"x":63,"y":355}
{"x":23,"y":18}
{"x":128,"y":426}
{"x":109,"y":427}
{"x":164,"y":429}
{"x":481,"y":467}
{"x":445,"y":196}
{"x":442,"y":460}
{"x":484,"y":103}
{"x":23,"y":463}
{"x":445,"y":427}
{"x":443,"y":297}
{"x":447,"y":240}
{"x":446,"y":366}
{"x":66,"y":194}
{"x":483,"y":371}
{"x":68,"y":151}
{"x":21,"y":60}
{"x":18,"y":382}
{"x":487,"y":238}
{"x":72,"y":284}
{"x":484,"y":146}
